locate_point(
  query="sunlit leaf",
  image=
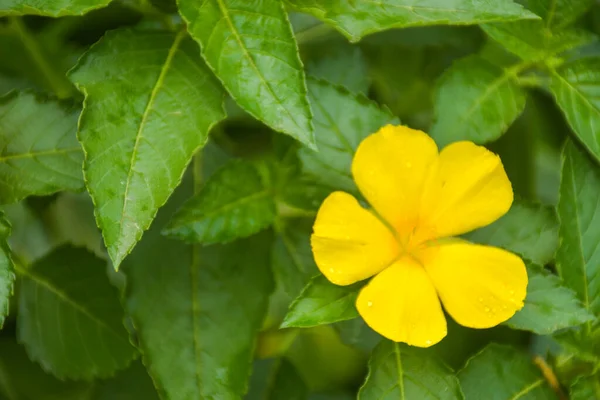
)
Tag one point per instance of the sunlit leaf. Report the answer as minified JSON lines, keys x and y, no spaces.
{"x":50,"y":8}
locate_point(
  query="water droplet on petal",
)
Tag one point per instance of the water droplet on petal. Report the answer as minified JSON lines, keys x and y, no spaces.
{"x":480,"y":299}
{"x":428,"y":342}
{"x":408,"y":165}
{"x":511,"y":292}
{"x":487,"y":309}
{"x":369,"y":304}
{"x":331,"y":270}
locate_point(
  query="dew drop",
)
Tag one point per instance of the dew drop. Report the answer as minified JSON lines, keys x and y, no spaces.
{"x":331,"y":270}
{"x":428,"y":342}
{"x":408,"y":165}
{"x":370,"y":304}
{"x":480,"y":299}
{"x":511,"y":292}
{"x":504,"y":307}
{"x":487,"y":309}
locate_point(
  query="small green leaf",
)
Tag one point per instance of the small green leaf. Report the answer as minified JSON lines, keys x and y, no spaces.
{"x":506,"y":373}
{"x":355,"y":19}
{"x":50,"y":8}
{"x":286,"y":383}
{"x":475,"y":101}
{"x":549,"y":305}
{"x":40,"y":153}
{"x":558,"y":13}
{"x":199,"y":309}
{"x":292,"y":259}
{"x":535,"y":240}
{"x":578,"y":255}
{"x":22,"y":379}
{"x":531,"y":40}
{"x":251,"y":48}
{"x":342,"y":120}
{"x":321,"y":302}
{"x":575,"y":88}
{"x":585,"y":388}
{"x":70,"y":319}
{"x":7,"y":276}
{"x":236,"y":202}
{"x":140,"y":128}
{"x":397,"y":371}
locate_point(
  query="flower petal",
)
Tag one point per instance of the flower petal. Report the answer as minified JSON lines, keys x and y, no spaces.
{"x":401,"y":304}
{"x":392,"y":168}
{"x":350,"y":243}
{"x":480,"y":286}
{"x":474,"y":192}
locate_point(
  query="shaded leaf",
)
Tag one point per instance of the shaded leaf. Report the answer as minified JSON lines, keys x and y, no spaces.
{"x":132,"y":383}
{"x":286,"y":383}
{"x":355,"y":19}
{"x":536,"y":240}
{"x":575,"y":88}
{"x":7,"y":276}
{"x":342,"y":120}
{"x":355,"y":332}
{"x":503,"y":373}
{"x":584,"y":341}
{"x":530,"y":40}
{"x":139,"y":130}
{"x":578,"y":255}
{"x":397,"y":371}
{"x":251,"y":48}
{"x":344,"y":66}
{"x":476,"y":101}
{"x":236,"y":202}
{"x":70,"y":319}
{"x":50,"y":8}
{"x":549,"y":305}
{"x":40,"y":153}
{"x":585,"y":388}
{"x":558,"y":13}
{"x":321,"y":302}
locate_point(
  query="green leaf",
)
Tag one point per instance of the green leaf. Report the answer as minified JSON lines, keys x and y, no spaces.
{"x":476,"y":101}
{"x":584,"y":342}
{"x":575,"y":88}
{"x":50,"y":8}
{"x":355,"y":19}
{"x":199,"y":309}
{"x":536,"y":240}
{"x":578,"y":255}
{"x":130,"y":384}
{"x":40,"y":154}
{"x":558,"y":13}
{"x":286,"y":383}
{"x":22,"y":379}
{"x":505,"y":372}
{"x":140,"y":128}
{"x":549,"y":305}
{"x":342,"y":120}
{"x":532,"y":41}
{"x":355,"y":332}
{"x":7,"y":276}
{"x":343,"y":65}
{"x":321,"y":302}
{"x":70,"y":319}
{"x":291,"y":257}
{"x":585,"y":388}
{"x":251,"y":48}
{"x":236,"y":202}
{"x":397,"y":371}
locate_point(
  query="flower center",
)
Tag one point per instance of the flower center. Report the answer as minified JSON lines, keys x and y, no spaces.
{"x":414,"y":236}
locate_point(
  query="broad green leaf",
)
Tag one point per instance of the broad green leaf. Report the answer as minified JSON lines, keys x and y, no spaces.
{"x":197,"y":310}
{"x":50,"y":8}
{"x":22,"y":379}
{"x":475,"y":101}
{"x":355,"y":19}
{"x":531,"y":40}
{"x":578,"y":255}
{"x":291,"y":257}
{"x":343,"y":65}
{"x":536,"y":240}
{"x":503,"y":373}
{"x":585,"y":388}
{"x":140,"y":127}
{"x":549,"y":305}
{"x":355,"y":332}
{"x":575,"y":87}
{"x":558,"y":13}
{"x":397,"y":371}
{"x":286,"y":383}
{"x":40,"y":153}
{"x":342,"y":120}
{"x":70,"y":320}
{"x":7,"y":276}
{"x":321,"y":302}
{"x":251,"y":48}
{"x":132,"y":383}
{"x":236,"y":202}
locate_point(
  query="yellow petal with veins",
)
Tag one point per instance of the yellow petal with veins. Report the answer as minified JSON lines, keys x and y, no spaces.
{"x":349,"y":243}
{"x":480,"y":286}
{"x":401,"y":304}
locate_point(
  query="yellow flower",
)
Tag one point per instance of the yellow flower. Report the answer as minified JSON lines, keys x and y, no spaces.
{"x":421,"y":199}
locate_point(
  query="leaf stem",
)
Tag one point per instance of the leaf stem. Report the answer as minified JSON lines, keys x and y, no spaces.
{"x":58,"y":81}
